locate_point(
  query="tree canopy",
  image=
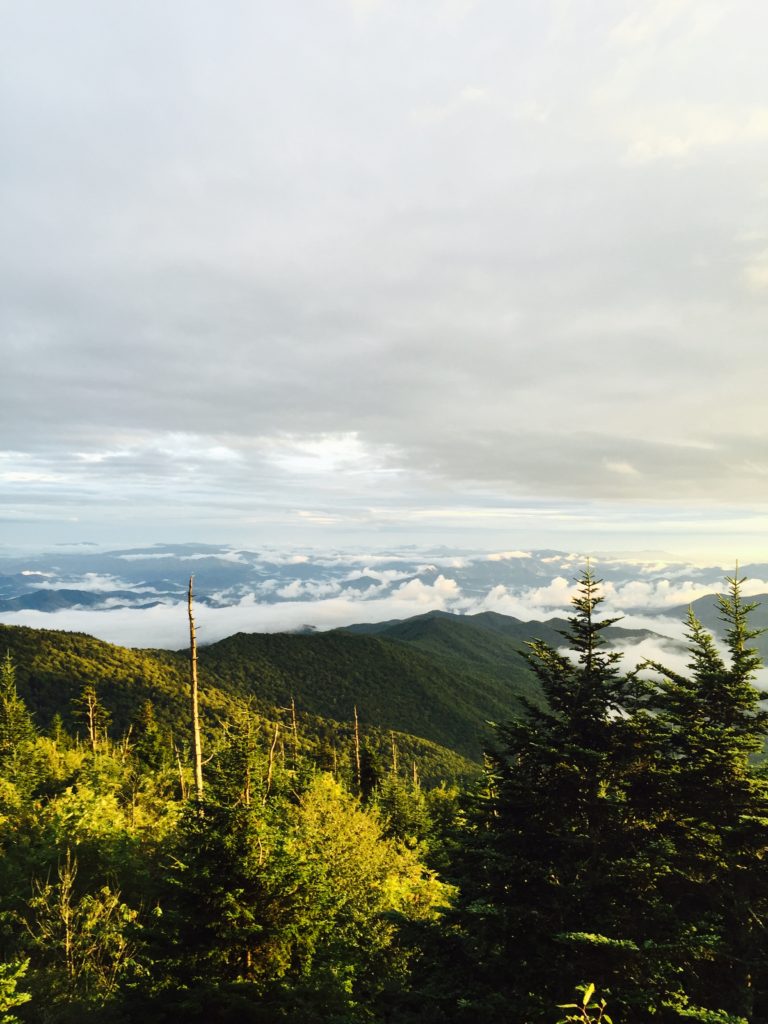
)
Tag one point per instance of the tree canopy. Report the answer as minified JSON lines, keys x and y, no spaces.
{"x":617,"y":837}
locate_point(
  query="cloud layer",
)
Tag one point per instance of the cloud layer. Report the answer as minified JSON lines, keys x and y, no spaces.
{"x":256,"y":281}
{"x":138,"y":597}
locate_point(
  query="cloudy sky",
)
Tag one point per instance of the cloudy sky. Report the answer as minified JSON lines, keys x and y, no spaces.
{"x":331,"y":271}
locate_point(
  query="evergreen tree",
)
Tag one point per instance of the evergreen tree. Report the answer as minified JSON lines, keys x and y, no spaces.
{"x":16,"y":727}
{"x":536,"y":887}
{"x":150,"y":746}
{"x":709,"y":809}
{"x":403,"y":807}
{"x":17,"y":731}
{"x":10,"y":997}
{"x":620,"y":836}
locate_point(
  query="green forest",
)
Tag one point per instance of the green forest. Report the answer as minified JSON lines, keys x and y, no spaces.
{"x":364,"y":848}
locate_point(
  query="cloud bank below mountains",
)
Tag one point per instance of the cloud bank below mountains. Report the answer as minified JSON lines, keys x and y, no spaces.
{"x":239,"y":590}
{"x":166,"y":625}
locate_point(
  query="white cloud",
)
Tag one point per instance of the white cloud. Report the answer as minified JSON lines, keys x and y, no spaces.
{"x":142,"y":556}
{"x":364,"y":8}
{"x":165,"y":625}
{"x":291,"y":590}
{"x":622,"y":468}
{"x":638,"y":594}
{"x":180,"y":446}
{"x":557,"y":594}
{"x":229,"y":337}
{"x":677,"y":131}
{"x":648,"y":21}
{"x":325,"y":454}
{"x":309,"y":589}
{"x":469,"y":97}
{"x":671,"y":654}
{"x":92,"y":582}
{"x":756,"y":272}
{"x":657,"y":594}
{"x":319,"y":518}
{"x":438,"y":595}
{"x":18,"y":476}
{"x":500,"y":599}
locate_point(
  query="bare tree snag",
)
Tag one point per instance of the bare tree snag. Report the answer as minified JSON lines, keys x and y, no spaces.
{"x":182,"y":783}
{"x":196,"y":743}
{"x":271,"y":764}
{"x":357,"y":756}
{"x":295,"y":728}
{"x":94,"y":715}
{"x":246,"y":794}
{"x":90,"y":701}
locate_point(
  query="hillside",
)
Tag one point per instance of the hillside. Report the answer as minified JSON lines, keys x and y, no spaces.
{"x":439,"y":678}
{"x":488,"y":642}
{"x":707,"y":611}
{"x":445,"y":696}
{"x":52,"y":667}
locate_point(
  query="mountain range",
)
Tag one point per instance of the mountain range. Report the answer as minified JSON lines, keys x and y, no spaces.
{"x":439,"y":680}
{"x":135,"y":596}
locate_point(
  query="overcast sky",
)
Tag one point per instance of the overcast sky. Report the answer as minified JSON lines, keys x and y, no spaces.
{"x":333,"y":270}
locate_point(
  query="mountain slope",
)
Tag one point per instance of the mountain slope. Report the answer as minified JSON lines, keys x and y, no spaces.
{"x":707,"y":612}
{"x":429,"y":693}
{"x":439,"y":677}
{"x":489,"y":643}
{"x":52,"y":667}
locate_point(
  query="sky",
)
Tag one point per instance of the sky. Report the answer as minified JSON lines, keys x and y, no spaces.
{"x":358,"y":271}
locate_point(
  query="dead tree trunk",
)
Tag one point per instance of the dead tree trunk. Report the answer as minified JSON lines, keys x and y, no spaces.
{"x":271,"y":763}
{"x":197,"y":748}
{"x":182,"y":783}
{"x":357,"y":756}
{"x":295,"y":729}
{"x":90,"y":704}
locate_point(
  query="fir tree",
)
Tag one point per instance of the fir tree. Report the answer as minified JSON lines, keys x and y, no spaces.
{"x":17,"y":731}
{"x":709,"y":807}
{"x":536,"y":889}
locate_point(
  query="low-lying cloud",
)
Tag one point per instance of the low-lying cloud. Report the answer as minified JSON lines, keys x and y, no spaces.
{"x":317,"y":604}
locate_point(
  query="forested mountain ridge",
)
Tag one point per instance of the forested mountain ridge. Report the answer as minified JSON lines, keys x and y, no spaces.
{"x":53,"y":668}
{"x":431,"y":693}
{"x":617,"y":835}
{"x":437,"y":676}
{"x":491,"y":640}
{"x":707,"y":610}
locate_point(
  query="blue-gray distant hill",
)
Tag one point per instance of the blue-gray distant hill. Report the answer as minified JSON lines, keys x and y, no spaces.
{"x":59,"y":599}
{"x":707,"y":612}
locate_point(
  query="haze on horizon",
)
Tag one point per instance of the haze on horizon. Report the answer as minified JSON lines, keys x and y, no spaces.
{"x":373,"y":272}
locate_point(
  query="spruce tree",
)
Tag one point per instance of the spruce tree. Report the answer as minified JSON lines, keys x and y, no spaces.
{"x":536,"y":890}
{"x":620,"y":836}
{"x":708,"y":806}
{"x":17,"y":731}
